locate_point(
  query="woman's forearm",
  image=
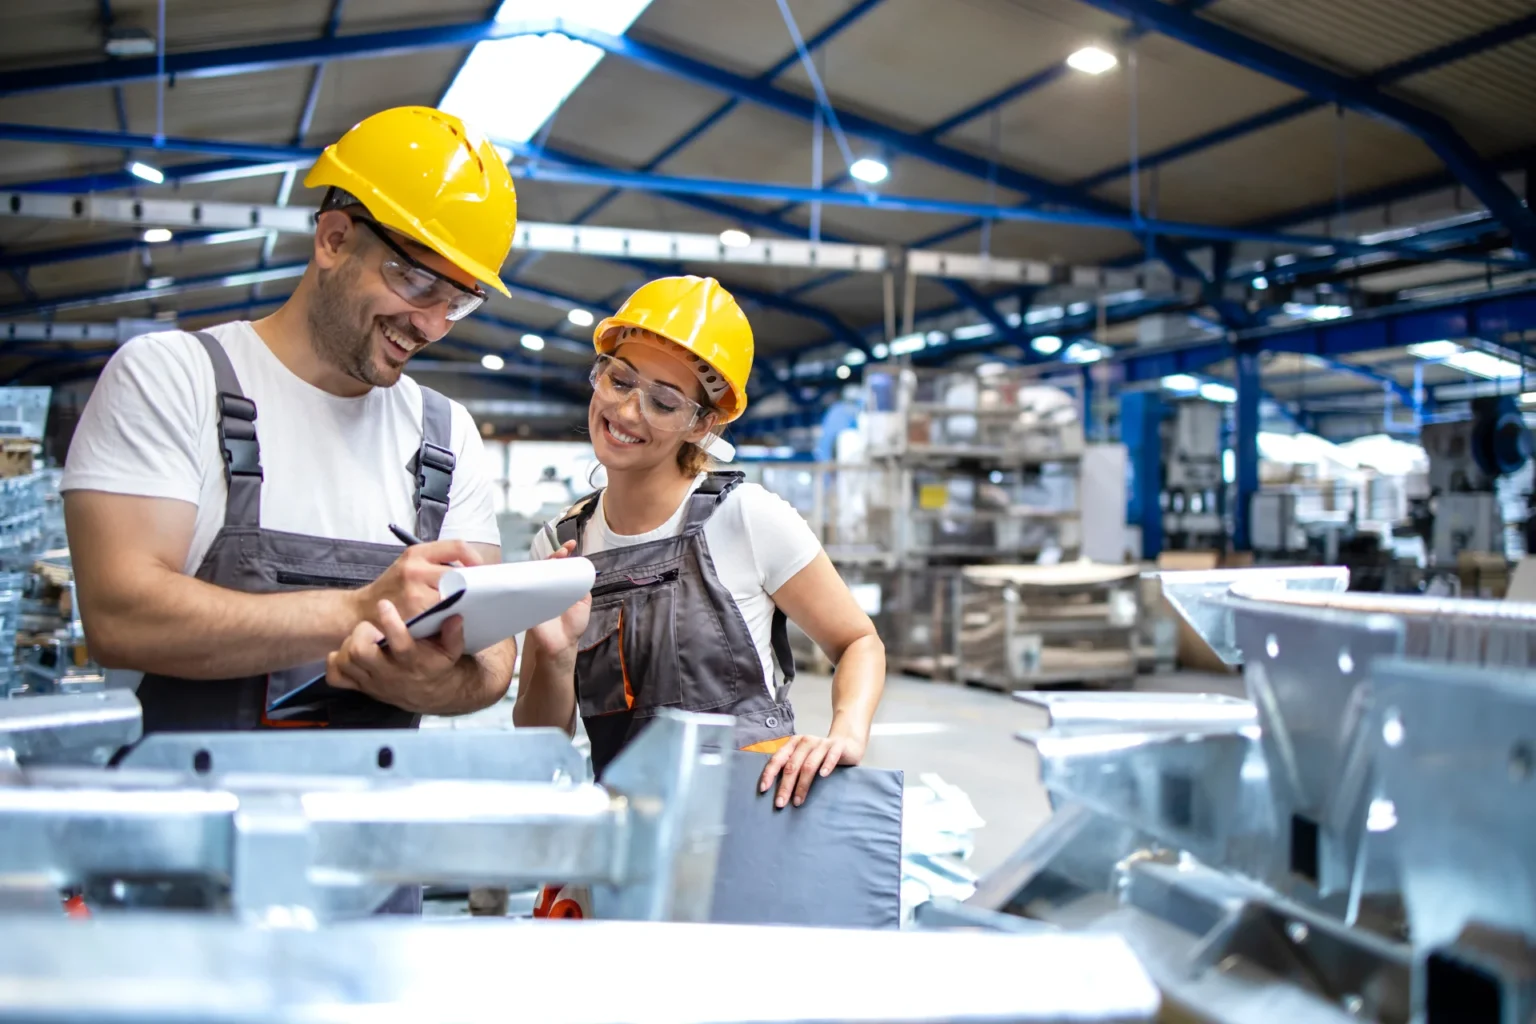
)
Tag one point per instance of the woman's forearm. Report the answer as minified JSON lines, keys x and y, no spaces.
{"x":546,"y":691}
{"x":857,"y":683}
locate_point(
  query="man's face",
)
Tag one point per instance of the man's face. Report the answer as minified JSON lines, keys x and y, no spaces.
{"x":358,"y":323}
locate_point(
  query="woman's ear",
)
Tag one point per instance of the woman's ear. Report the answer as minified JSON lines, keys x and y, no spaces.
{"x":703,"y":428}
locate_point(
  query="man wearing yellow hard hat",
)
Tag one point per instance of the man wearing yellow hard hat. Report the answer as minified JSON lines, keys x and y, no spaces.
{"x":699,"y":572}
{"x":230,"y":494}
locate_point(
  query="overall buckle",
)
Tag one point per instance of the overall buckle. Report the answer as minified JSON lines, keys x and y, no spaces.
{"x":434,"y":473}
{"x":237,"y":436}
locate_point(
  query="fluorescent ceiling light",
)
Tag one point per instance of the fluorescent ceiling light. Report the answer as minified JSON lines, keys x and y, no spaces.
{"x":970,"y":332}
{"x":1181,"y":382}
{"x":156,"y":235}
{"x":1261,"y":283}
{"x":1479,"y":364}
{"x":869,"y":170}
{"x":580,"y":317}
{"x":1214,"y":392}
{"x":1014,"y":319}
{"x":1046,"y":344}
{"x":1082,"y":352}
{"x":1078,"y":308}
{"x":508,"y":88}
{"x":1311,"y":312}
{"x":492,"y":361}
{"x":153,"y":175}
{"x":129,"y":42}
{"x":855,"y":358}
{"x":160,"y":282}
{"x":879,"y":351}
{"x":907,"y":344}
{"x":843,"y":373}
{"x":733,"y":238}
{"x":938,"y":338}
{"x":1091,"y":60}
{"x":532,"y":342}
{"x":1434,"y":349}
{"x":1529,"y":398}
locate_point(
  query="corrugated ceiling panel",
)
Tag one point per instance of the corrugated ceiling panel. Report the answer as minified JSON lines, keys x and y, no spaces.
{"x":1361,"y":36}
{"x":1082,"y":123}
{"x":1490,"y":97}
{"x":1289,"y":166}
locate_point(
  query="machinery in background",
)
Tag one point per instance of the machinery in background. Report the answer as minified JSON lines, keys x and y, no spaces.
{"x":1177,"y":491}
{"x":1467,"y":458}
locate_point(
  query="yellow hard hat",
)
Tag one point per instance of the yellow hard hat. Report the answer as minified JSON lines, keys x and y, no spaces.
{"x":430,"y":177}
{"x":698,"y":314}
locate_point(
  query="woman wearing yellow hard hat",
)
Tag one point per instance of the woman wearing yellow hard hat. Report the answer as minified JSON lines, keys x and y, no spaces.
{"x":698,"y":571}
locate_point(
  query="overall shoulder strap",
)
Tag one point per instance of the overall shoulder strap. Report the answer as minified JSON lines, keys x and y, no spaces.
{"x":434,"y":464}
{"x":708,"y":496}
{"x":574,"y":522}
{"x":237,"y":437}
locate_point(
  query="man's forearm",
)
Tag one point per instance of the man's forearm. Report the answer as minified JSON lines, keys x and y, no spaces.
{"x":180,"y":626}
{"x":484,"y":679}
{"x":547,"y":694}
{"x":857,"y":684}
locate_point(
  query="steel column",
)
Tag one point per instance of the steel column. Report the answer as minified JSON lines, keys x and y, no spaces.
{"x":1245,"y":444}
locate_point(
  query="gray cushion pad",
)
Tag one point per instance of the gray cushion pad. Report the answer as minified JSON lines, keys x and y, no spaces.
{"x":834,"y":861}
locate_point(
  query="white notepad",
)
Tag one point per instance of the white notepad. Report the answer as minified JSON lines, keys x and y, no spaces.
{"x":499,"y":601}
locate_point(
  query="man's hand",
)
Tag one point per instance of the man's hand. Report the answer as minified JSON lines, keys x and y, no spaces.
{"x":803,"y":758}
{"x":559,"y":636}
{"x":410,"y":584}
{"x":422,"y":676}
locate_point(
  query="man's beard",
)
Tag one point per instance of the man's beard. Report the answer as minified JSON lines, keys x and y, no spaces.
{"x":342,"y":331}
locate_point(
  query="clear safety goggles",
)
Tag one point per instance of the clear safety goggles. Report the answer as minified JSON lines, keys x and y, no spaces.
{"x":662,"y":405}
{"x":420,"y":285}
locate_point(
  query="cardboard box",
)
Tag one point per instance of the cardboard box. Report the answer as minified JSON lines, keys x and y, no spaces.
{"x":16,"y":456}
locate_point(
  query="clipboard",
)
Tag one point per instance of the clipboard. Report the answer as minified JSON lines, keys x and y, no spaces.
{"x":496,"y":602}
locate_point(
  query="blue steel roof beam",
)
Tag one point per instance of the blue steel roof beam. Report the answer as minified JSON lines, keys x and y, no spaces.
{"x":267,"y":56}
{"x":1038,"y":80}
{"x":178,"y":286}
{"x":1499,"y":35}
{"x":93,"y":250}
{"x":587,"y":173}
{"x":813,"y":44}
{"x":189,"y":173}
{"x":1488,"y":315}
{"x":1433,"y":130}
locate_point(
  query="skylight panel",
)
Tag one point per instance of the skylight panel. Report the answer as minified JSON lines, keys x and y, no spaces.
{"x":508,"y":88}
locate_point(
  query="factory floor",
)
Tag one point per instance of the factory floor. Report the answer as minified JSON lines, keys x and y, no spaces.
{"x":965,"y":735}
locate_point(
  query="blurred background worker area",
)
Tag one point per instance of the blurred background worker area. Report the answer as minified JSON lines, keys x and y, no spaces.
{"x":1051,"y":477}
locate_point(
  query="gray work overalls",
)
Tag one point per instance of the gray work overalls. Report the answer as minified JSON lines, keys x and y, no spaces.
{"x":665,"y":633}
{"x":248,"y":558}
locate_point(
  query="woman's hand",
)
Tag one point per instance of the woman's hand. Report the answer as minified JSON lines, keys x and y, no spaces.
{"x":798,"y":762}
{"x":559,"y":636}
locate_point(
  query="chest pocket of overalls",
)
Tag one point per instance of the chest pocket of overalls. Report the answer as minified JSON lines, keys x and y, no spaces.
{"x":628,"y":659}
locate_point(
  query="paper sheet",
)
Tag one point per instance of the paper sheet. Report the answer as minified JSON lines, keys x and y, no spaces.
{"x":502,"y":600}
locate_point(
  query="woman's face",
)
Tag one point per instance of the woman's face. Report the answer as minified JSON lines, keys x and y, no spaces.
{"x":622,"y":438}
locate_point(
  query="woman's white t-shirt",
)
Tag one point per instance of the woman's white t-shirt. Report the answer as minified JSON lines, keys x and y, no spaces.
{"x":757,"y":540}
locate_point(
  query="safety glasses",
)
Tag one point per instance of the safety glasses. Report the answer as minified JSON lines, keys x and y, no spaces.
{"x":420,"y":285}
{"x":662,"y":405}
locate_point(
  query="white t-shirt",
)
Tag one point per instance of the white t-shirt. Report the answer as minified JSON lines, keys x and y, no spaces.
{"x":334,"y":467}
{"x":756,"y":539}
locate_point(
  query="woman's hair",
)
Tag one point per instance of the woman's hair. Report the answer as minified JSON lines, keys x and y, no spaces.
{"x":692,"y":459}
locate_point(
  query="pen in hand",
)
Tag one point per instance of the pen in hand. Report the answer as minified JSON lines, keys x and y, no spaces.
{"x":406,"y":537}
